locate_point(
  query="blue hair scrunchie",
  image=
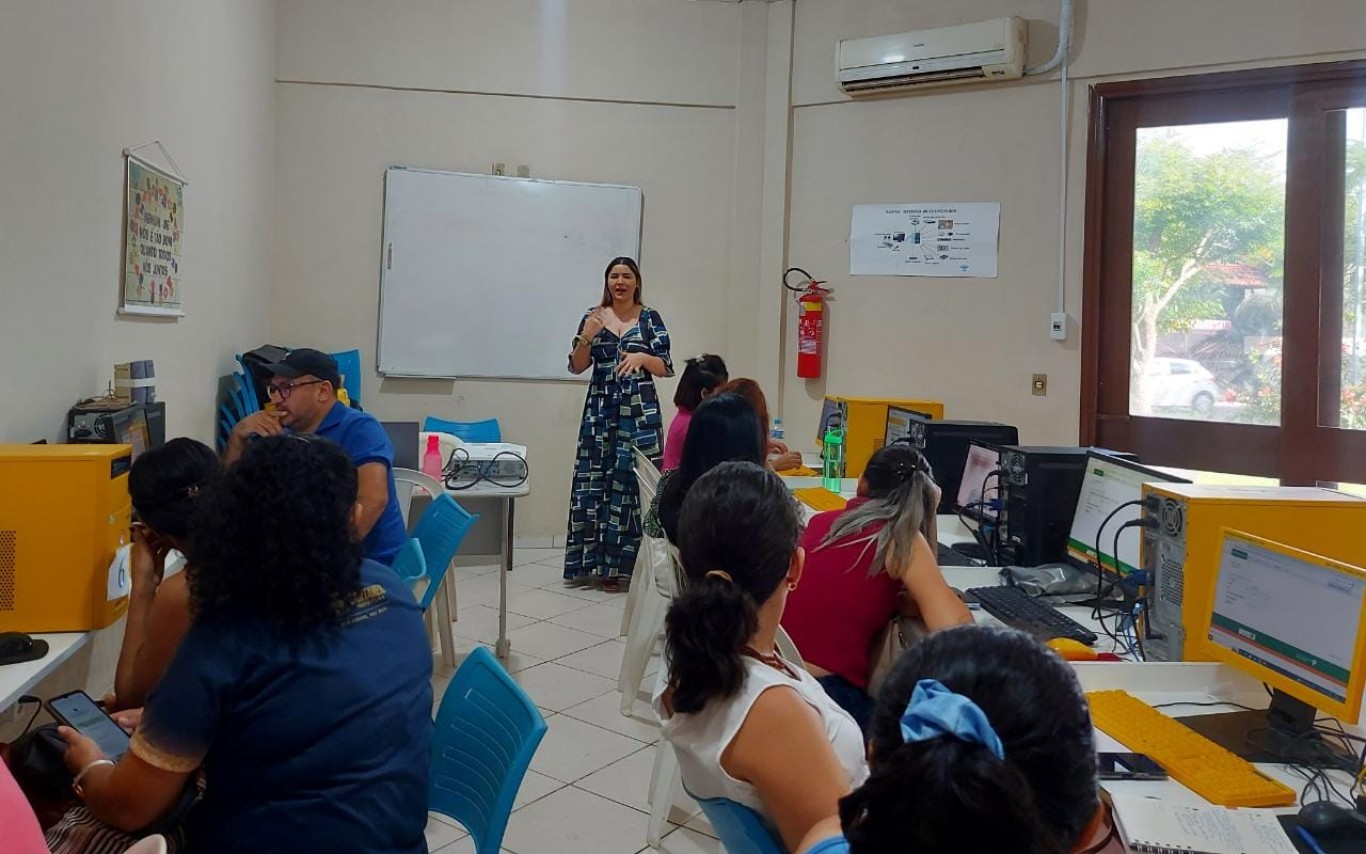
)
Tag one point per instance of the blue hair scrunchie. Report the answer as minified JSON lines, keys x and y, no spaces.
{"x":934,"y":710}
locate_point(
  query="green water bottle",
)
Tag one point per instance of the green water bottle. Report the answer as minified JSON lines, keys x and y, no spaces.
{"x":832,"y":457}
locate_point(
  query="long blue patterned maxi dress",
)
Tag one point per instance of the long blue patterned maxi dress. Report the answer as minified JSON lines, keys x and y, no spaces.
{"x":604,"y":507}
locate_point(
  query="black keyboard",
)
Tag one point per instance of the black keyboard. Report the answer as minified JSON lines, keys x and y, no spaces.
{"x":1016,"y":609}
{"x":953,"y":557}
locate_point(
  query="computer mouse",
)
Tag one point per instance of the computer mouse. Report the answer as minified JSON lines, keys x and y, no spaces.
{"x":1072,"y":650}
{"x":14,"y":644}
{"x":1327,"y":820}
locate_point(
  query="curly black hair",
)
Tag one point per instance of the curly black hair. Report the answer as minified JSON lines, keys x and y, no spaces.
{"x":274,"y":538}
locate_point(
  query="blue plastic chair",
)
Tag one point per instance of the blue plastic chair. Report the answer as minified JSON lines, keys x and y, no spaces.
{"x":348,"y":365}
{"x":443,"y":525}
{"x":486,"y":732}
{"x":740,"y":829}
{"x":466,"y":431}
{"x":410,"y":563}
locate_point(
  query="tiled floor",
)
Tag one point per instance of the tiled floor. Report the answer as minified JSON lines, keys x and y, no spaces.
{"x":588,"y":784}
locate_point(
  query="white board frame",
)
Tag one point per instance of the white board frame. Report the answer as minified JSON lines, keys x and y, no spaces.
{"x":389,"y":369}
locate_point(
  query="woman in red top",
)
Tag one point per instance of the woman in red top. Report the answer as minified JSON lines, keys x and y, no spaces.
{"x":863,"y":564}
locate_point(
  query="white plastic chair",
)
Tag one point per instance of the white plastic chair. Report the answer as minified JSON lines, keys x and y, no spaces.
{"x":154,"y":844}
{"x":410,"y":484}
{"x":646,"y":468}
{"x":640,"y":573}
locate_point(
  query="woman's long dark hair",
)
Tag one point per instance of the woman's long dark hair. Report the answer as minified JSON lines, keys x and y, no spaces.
{"x":740,"y":519}
{"x":900,"y":492}
{"x":945,"y":794}
{"x":606,"y":274}
{"x":724,"y":428}
{"x":700,"y":374}
{"x":275,"y":540}
{"x":166,"y":484}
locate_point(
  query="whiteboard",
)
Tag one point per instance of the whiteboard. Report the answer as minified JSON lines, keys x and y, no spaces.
{"x":488,"y":276}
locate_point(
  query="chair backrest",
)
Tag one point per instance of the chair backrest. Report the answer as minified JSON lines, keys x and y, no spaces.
{"x":788,"y":649}
{"x":410,"y":563}
{"x":403,"y":436}
{"x":486,"y":732}
{"x":442,"y":526}
{"x":740,"y":829}
{"x":348,"y":365}
{"x":411,"y":484}
{"x":646,"y":486}
{"x":468,"y":431}
{"x":154,"y":844}
{"x":646,"y":469}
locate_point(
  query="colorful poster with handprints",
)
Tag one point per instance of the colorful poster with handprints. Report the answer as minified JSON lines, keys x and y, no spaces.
{"x":152,"y":241}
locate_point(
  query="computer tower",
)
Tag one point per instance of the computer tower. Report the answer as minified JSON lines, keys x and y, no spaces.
{"x":865,"y":425}
{"x":64,"y":516}
{"x":1182,"y":546}
{"x":98,"y":422}
{"x":944,"y":445}
{"x":1038,"y":499}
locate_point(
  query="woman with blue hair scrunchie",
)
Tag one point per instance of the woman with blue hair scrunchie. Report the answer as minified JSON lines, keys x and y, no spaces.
{"x":981,"y":741}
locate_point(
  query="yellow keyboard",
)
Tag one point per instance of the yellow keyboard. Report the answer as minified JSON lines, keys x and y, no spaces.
{"x":1199,"y":764}
{"x":800,"y":471}
{"x":819,"y":498}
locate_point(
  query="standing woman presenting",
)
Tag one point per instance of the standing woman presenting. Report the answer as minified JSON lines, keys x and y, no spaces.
{"x":625,"y":344}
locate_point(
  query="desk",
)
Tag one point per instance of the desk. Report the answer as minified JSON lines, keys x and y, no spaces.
{"x":19,"y":679}
{"x":508,"y":495}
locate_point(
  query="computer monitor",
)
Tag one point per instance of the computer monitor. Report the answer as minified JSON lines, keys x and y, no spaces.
{"x":1294,"y":621}
{"x":830,"y":411}
{"x":978,"y":496}
{"x":403,"y":436}
{"x":130,"y":428}
{"x":944,"y":445}
{"x":1108,"y":484}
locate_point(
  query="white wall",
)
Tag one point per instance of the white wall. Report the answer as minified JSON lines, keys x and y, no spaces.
{"x":639,"y":92}
{"x":975,"y":343}
{"x":79,"y":82}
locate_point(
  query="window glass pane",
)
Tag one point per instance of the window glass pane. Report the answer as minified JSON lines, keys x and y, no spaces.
{"x":1351,"y":368}
{"x":1209,"y":226}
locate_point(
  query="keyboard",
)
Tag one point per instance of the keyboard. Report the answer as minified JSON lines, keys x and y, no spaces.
{"x":1192,"y":760}
{"x":819,"y":498}
{"x":800,"y":471}
{"x":1015,"y":608}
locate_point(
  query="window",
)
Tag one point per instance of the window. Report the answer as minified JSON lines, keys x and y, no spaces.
{"x":1223,"y":319}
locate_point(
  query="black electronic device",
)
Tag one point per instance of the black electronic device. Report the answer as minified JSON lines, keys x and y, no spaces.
{"x":944,"y":444}
{"x":403,"y":436}
{"x":105,"y":422}
{"x":1128,"y":766}
{"x":78,"y":711}
{"x":1327,"y":820}
{"x":1039,"y":490}
{"x":17,"y":647}
{"x":1014,"y":607}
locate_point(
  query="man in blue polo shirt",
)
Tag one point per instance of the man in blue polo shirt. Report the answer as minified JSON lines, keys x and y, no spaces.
{"x":304,"y":391}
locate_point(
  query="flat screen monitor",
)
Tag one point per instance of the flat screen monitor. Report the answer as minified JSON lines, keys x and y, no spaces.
{"x":1109,"y":483}
{"x":899,"y":423}
{"x":403,"y":436}
{"x":830,"y":410}
{"x":977,"y":491}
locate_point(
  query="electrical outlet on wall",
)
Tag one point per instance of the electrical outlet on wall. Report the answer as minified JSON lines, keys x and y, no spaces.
{"x":1038,"y":385}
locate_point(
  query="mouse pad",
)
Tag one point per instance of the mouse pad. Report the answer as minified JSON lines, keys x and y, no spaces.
{"x":1329,"y":846}
{"x":39,"y":650}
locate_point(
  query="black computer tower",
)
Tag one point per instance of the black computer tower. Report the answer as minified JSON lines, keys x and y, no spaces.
{"x":945,"y":447}
{"x":1039,"y":497}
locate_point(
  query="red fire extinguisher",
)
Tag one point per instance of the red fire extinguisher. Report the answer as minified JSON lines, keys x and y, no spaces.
{"x":811,"y":297}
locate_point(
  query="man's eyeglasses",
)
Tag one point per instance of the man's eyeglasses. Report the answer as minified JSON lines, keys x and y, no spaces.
{"x":284,"y":390}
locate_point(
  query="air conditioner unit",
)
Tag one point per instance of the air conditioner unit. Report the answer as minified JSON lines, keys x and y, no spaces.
{"x":988,"y":50}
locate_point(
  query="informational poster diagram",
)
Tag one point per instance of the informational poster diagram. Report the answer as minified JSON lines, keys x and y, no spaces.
{"x":925,"y":239}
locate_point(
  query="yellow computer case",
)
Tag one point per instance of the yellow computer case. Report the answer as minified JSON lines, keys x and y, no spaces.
{"x":1181,"y":552}
{"x":865,"y":425}
{"x":64,"y":514}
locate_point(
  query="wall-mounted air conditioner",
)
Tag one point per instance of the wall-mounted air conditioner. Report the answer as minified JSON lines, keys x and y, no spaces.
{"x":988,"y":50}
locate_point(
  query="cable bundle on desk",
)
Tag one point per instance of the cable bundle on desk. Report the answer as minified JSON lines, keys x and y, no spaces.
{"x":990,"y":545}
{"x":483,"y":470}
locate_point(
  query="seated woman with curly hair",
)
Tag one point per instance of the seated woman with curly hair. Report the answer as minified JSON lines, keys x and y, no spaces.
{"x":302,"y":688}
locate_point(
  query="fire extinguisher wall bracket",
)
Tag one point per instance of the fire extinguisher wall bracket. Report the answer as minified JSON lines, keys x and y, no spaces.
{"x":811,"y":298}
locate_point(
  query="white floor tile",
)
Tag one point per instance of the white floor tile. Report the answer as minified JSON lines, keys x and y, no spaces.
{"x":626,"y":781}
{"x":522,"y":557}
{"x":602,"y":660}
{"x":517,"y":661}
{"x":538,"y":575}
{"x":541,"y":604}
{"x":687,"y":841}
{"x":556,"y":687}
{"x":462,"y":846}
{"x":699,"y":824}
{"x":479,"y":623}
{"x":602,"y":620}
{"x":605,"y":712}
{"x":547,"y":641}
{"x":471,"y":570}
{"x":478,"y":590}
{"x":591,"y":594}
{"x":441,"y":832}
{"x":573,"y":749}
{"x":575,"y":820}
{"x":534,"y":787}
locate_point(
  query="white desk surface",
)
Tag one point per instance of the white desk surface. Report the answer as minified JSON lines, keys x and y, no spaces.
{"x":19,"y":679}
{"x":484,"y":489}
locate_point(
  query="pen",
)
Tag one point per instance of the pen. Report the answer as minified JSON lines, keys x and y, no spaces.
{"x":1309,"y":840}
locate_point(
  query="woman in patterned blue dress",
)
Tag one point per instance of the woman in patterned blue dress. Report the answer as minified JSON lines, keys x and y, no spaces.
{"x":625,"y":344}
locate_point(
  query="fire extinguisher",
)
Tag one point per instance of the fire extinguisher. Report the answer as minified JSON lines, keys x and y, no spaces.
{"x":811,"y":298}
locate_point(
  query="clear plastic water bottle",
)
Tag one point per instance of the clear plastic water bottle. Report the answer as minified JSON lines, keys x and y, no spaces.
{"x":777,"y":431}
{"x":431,"y":460}
{"x":832,"y":458}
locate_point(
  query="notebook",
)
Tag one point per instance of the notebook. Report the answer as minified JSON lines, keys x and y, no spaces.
{"x":1149,"y":825}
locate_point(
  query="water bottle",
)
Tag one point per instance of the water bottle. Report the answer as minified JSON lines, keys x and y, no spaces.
{"x":431,"y":460}
{"x":777,"y":431}
{"x":832,"y":458}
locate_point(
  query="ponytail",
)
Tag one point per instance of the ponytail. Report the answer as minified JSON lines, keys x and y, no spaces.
{"x":900,"y":485}
{"x":738,"y":531}
{"x":945,"y":795}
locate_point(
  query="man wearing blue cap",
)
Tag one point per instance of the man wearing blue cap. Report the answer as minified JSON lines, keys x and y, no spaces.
{"x":304,"y":390}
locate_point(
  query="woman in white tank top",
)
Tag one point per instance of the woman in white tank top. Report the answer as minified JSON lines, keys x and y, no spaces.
{"x":746,"y":724}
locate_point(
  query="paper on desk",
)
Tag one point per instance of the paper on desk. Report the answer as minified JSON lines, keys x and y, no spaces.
{"x":1148,"y":824}
{"x":118,"y":584}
